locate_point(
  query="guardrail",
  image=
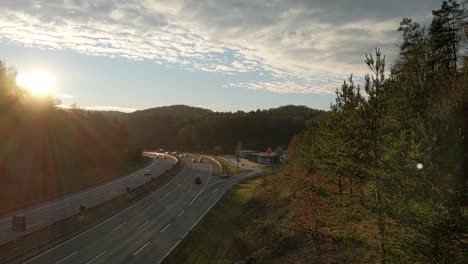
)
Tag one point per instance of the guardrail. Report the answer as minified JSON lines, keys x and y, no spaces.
{"x":217,"y":162}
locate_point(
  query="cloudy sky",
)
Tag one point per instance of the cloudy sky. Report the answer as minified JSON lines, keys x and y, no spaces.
{"x":219,"y":54}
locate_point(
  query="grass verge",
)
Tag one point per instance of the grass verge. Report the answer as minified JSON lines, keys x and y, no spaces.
{"x":209,"y":241}
{"x":231,"y":169}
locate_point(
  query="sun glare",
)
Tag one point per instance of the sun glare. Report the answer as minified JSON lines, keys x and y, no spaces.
{"x":38,"y":83}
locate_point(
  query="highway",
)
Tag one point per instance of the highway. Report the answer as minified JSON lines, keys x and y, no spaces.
{"x":53,"y":211}
{"x":148,"y":230}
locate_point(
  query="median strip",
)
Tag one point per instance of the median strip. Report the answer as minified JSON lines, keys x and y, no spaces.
{"x":42,"y":241}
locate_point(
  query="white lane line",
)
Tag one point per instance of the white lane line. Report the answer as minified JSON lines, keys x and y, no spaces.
{"x":182,"y":193}
{"x":164,"y":229}
{"x":143,"y":225}
{"x":148,"y":207}
{"x":98,"y":256}
{"x":203,"y":188}
{"x":215,"y":190}
{"x":138,"y":251}
{"x":108,"y":219}
{"x":169,"y":205}
{"x":67,"y":257}
{"x":184,"y":235}
{"x":124,"y":223}
{"x":181,"y":213}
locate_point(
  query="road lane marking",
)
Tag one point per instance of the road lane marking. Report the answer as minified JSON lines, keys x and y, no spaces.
{"x":67,"y":257}
{"x":164,"y":229}
{"x":181,"y":213}
{"x":204,"y":187}
{"x":148,"y":207}
{"x":182,"y":193}
{"x":143,"y":225}
{"x":98,"y":256}
{"x":124,"y":223}
{"x":184,"y":235}
{"x":138,"y":251}
{"x":215,"y":190}
{"x":4,"y":227}
{"x":166,"y":194}
{"x":107,"y":220}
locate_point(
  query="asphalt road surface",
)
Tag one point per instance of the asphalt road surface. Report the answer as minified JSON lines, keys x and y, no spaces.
{"x":148,"y":230}
{"x":53,"y":211}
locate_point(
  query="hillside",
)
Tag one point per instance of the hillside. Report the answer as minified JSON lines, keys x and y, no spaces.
{"x":174,"y":111}
{"x":197,"y":129}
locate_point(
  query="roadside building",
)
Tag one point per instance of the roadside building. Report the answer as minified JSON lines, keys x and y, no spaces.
{"x":268,"y":158}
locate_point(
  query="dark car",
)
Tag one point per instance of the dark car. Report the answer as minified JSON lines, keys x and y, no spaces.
{"x":148,"y":172}
{"x":198,"y":180}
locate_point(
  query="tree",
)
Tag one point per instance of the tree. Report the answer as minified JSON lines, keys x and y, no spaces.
{"x":446,"y":33}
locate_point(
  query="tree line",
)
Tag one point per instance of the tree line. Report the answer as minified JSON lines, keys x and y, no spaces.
{"x":386,"y":166}
{"x":46,"y":150}
{"x":187,"y":128}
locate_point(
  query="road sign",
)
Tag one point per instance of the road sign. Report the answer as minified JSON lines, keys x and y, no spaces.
{"x":19,"y":223}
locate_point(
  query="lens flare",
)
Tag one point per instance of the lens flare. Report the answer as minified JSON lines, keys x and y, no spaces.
{"x":38,"y":83}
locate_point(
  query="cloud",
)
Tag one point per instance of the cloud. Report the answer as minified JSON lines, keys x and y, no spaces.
{"x":101,"y":108}
{"x":292,"y":46}
{"x":63,"y":96}
{"x":110,"y":108}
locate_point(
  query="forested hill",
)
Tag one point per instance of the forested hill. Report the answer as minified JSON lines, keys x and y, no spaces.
{"x":175,"y":111}
{"x":197,"y":129}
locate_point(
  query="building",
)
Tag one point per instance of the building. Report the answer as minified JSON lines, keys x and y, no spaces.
{"x":262,"y":157}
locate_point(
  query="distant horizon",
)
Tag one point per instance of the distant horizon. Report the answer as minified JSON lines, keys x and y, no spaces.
{"x":129,"y":55}
{"x":200,"y":107}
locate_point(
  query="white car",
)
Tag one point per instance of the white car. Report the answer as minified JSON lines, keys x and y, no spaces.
{"x":194,"y":160}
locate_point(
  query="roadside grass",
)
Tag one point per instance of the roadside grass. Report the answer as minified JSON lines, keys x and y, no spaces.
{"x":251,"y":224}
{"x":210,"y":241}
{"x":232,"y":170}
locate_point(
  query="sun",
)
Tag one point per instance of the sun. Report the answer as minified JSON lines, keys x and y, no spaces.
{"x":38,"y":83}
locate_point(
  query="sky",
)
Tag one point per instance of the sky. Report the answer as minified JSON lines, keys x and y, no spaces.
{"x":223,"y":55}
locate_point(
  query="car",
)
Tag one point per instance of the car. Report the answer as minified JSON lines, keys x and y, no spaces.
{"x":200,"y":160}
{"x":164,"y":157}
{"x":147,"y":172}
{"x":186,"y":155}
{"x":194,"y":160}
{"x":198,"y":180}
{"x":157,"y":157}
